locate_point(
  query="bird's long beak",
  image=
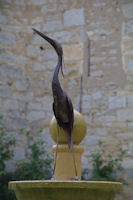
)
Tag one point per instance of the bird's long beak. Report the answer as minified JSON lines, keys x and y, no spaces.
{"x":56,"y":45}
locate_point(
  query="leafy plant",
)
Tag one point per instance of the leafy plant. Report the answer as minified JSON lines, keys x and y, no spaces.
{"x":38,"y":164}
{"x":6,"y":153}
{"x":105,"y":167}
{"x":6,"y":142}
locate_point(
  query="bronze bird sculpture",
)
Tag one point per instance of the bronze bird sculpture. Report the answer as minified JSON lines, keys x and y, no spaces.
{"x":62,"y":105}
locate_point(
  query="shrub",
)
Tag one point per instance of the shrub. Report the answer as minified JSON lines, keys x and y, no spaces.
{"x":105,"y":168}
{"x":6,"y":153}
{"x":37,"y":166}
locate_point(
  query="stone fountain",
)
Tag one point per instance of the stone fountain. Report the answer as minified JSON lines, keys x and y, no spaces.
{"x":64,"y":187}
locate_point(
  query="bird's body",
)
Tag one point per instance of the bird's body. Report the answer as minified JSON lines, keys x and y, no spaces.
{"x":63,"y":110}
{"x":62,"y":105}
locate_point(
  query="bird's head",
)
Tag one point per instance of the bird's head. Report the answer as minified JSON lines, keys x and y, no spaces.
{"x":56,"y":45}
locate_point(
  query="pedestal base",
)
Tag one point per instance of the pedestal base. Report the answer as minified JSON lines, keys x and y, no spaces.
{"x":65,"y":165}
{"x":64,"y":190}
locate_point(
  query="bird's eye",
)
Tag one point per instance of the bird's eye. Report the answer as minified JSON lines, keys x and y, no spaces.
{"x":41,"y":48}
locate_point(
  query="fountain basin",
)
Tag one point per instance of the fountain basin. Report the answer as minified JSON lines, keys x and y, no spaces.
{"x":64,"y":190}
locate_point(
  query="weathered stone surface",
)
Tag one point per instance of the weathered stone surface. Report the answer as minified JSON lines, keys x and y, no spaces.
{"x":74,"y":17}
{"x":11,"y":72}
{"x":98,"y":73}
{"x":92,"y":140}
{"x":130,"y":100}
{"x":20,"y":2}
{"x":128,"y":10}
{"x":11,"y":105}
{"x":2,"y":19}
{"x":34,"y":106}
{"x":76,"y":51}
{"x":36,"y":3}
{"x":130,"y":66}
{"x":125,"y":115}
{"x":7,"y":38}
{"x":21,"y":85}
{"x":117,"y":102}
{"x":19,"y":153}
{"x":5,"y":91}
{"x":33,"y":51}
{"x":38,"y":67}
{"x":36,"y":115}
{"x":99,"y":4}
{"x":51,"y":8}
{"x":52,"y":26}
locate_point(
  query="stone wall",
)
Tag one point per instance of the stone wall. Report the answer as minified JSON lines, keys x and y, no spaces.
{"x":105,"y":28}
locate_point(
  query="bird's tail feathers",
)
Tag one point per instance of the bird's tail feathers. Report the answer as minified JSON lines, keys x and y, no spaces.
{"x":69,"y":139}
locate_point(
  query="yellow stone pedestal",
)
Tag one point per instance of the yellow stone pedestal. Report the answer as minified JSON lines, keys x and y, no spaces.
{"x":65,"y":165}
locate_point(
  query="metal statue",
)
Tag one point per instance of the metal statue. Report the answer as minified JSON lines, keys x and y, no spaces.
{"x":62,"y":105}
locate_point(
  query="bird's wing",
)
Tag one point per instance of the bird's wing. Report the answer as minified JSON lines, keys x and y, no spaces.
{"x":70,"y":110}
{"x":56,"y":116}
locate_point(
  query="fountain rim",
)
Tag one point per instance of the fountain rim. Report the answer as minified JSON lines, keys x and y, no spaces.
{"x":104,"y":185}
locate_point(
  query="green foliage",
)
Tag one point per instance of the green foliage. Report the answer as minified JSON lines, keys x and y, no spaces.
{"x":6,"y":153}
{"x":37,"y":166}
{"x":105,"y":167}
{"x":6,"y":142}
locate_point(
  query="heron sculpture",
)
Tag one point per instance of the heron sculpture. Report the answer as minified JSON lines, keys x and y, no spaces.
{"x":62,"y":105}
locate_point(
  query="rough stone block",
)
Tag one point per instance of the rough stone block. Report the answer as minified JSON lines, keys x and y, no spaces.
{"x":33,"y":51}
{"x":19,"y":153}
{"x":130,"y":126}
{"x":36,"y":3}
{"x":117,"y":102}
{"x":50,"y":8}
{"x":130,"y":100}
{"x":128,"y":10}
{"x":7,"y":38}
{"x":21,"y":85}
{"x":86,"y":106}
{"x":125,"y":115}
{"x":2,"y":19}
{"x":38,"y":67}
{"x":76,"y":51}
{"x":74,"y":17}
{"x":127,"y":163}
{"x":52,"y":26}
{"x":99,"y":4}
{"x":34,"y":106}
{"x":98,"y":73}
{"x":97,"y":95}
{"x":21,"y":60}
{"x":35,"y":116}
{"x":92,"y":140}
{"x":20,"y":2}
{"x":9,"y":71}
{"x":5,"y":91}
{"x":130,"y":66}
{"x":11,"y":105}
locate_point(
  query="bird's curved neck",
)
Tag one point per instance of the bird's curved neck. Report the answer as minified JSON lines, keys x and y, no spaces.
{"x":57,"y":69}
{"x":56,"y":87}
